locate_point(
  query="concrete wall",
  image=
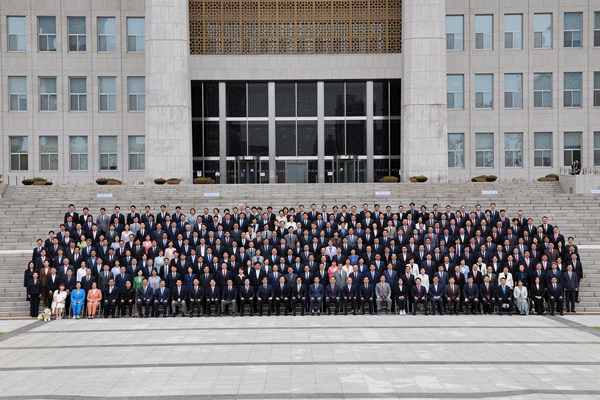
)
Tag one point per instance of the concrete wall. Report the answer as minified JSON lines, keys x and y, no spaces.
{"x":63,"y":64}
{"x":526,"y":61}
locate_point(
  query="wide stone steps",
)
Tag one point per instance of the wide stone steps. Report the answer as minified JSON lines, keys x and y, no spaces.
{"x":28,"y":213}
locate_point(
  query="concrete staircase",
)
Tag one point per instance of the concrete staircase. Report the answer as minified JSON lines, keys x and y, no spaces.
{"x":13,"y":296}
{"x":28,"y":213}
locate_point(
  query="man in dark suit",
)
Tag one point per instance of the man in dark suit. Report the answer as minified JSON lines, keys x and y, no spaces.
{"x":504,"y":296}
{"x":366,"y":292}
{"x":299,"y":293}
{"x":110,"y":297}
{"x":332,"y":294}
{"x":161,"y":298}
{"x":349,"y":295}
{"x":488,"y":295}
{"x":316,"y":294}
{"x":571,"y":287}
{"x":213,"y":297}
{"x":228,"y":298}
{"x":452,"y":296}
{"x":555,"y":295}
{"x":144,"y":299}
{"x":179,"y":298}
{"x":471,"y":295}
{"x":264,"y":294}
{"x":196,"y":298}
{"x":281,"y":294}
{"x":72,"y":213}
{"x":436,"y":293}
{"x":419,"y":295}
{"x":247,"y":297}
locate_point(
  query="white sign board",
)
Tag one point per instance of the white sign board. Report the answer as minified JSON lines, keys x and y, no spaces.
{"x":199,"y":173}
{"x":104,"y":195}
{"x":383,"y":193}
{"x":329,"y":173}
{"x":489,"y":192}
{"x":212,"y":194}
{"x":263,"y":174}
{"x":595,"y":191}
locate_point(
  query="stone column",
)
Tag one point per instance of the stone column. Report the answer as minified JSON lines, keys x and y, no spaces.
{"x":168,"y":91}
{"x":424,"y":116}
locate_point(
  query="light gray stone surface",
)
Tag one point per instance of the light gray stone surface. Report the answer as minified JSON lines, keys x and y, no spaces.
{"x":313,"y":357}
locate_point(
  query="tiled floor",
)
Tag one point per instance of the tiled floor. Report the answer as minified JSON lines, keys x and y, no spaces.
{"x":459,"y":357}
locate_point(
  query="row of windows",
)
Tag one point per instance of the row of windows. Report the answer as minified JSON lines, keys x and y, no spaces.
{"x":513,"y":149}
{"x":77,"y":34}
{"x":78,"y":153}
{"x":513,"y":90}
{"x":513,"y":31}
{"x":78,"y":89}
{"x":247,"y":118}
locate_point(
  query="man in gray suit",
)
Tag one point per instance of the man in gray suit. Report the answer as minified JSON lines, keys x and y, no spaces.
{"x":103,"y":221}
{"x":104,"y":276}
{"x":383,"y":292}
{"x":452,"y":296}
{"x":291,"y":238}
{"x":340,"y":277}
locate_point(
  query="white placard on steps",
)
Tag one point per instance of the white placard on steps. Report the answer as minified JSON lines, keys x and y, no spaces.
{"x":383,"y":193}
{"x":595,"y":191}
{"x":212,"y":194}
{"x":489,"y":192}
{"x":104,"y":195}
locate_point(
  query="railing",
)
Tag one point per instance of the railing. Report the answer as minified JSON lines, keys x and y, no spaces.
{"x":595,"y":170}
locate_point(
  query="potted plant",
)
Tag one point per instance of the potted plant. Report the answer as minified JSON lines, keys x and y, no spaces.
{"x":552,"y":177}
{"x":173,"y":181}
{"x":48,"y":183}
{"x":490,"y":178}
{"x":391,"y":179}
{"x":480,"y":178}
{"x":27,"y":182}
{"x":160,"y":181}
{"x":39,"y":181}
{"x":204,"y":181}
{"x":114,"y":182}
{"x":418,"y":178}
{"x":102,"y":181}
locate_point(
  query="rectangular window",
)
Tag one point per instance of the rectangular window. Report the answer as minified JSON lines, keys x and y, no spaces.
{"x":107,"y":42}
{"x":484,"y":150}
{"x":513,"y":150}
{"x":484,"y":95}
{"x":456,"y":150}
{"x":137,"y":153}
{"x":513,"y":91}
{"x":46,"y":34}
{"x":596,"y":89}
{"x":78,"y":94}
{"x":572,"y":142}
{"x":513,"y":31}
{"x":49,"y":153}
{"x":483,"y":32}
{"x":542,"y":149}
{"x":572,"y":89}
{"x":573,"y":29}
{"x":108,"y":153}
{"x":108,"y":93}
{"x":454,"y":32}
{"x":542,"y":90}
{"x":48,"y":94}
{"x":597,"y":29}
{"x":137,"y":93}
{"x":17,"y":38}
{"x":455,"y":89}
{"x":596,"y":148}
{"x":77,"y":34}
{"x":18,"y":93}
{"x":542,"y":31}
{"x":136,"y":35}
{"x":78,"y":149}
{"x":19,"y":159}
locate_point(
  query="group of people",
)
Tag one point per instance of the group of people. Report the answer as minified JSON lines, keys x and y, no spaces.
{"x":254,"y":261}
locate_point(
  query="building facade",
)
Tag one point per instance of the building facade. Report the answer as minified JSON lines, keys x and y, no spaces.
{"x":297,"y":91}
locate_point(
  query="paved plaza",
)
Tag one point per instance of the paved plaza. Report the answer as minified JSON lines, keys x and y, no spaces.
{"x":326,"y":357}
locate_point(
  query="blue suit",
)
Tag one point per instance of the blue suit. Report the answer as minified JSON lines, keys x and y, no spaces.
{"x":433,"y":293}
{"x":471,"y":297}
{"x":570,"y":286}
{"x":316,"y":293}
{"x":161,"y":298}
{"x":144,"y":299}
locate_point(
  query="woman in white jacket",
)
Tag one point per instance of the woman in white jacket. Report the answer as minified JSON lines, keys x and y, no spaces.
{"x":424,"y":279}
{"x":509,"y":278}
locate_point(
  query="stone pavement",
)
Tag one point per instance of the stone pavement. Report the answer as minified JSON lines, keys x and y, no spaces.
{"x":459,"y":357}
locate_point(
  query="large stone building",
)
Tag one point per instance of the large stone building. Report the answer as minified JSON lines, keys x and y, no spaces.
{"x":297,"y":91}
